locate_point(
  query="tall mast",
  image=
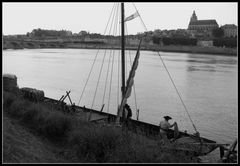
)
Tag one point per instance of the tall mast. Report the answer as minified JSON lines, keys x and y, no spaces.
{"x":123,"y":51}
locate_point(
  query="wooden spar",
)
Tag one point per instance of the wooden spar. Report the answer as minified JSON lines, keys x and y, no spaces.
{"x":123,"y":51}
{"x":102,"y":107}
{"x":65,"y":95}
{"x":69,"y":97}
{"x":61,"y":98}
{"x":123,"y":60}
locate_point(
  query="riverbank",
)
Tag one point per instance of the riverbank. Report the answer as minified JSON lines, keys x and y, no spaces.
{"x":72,"y":140}
{"x":166,"y":48}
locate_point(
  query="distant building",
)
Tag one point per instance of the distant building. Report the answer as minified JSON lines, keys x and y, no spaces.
{"x":205,"y":43}
{"x":230,"y":30}
{"x":68,"y":33}
{"x":202,"y":26}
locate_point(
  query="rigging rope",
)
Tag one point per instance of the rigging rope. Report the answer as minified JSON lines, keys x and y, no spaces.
{"x":98,"y":79}
{"x":118,"y":78}
{"x":106,"y":77}
{"x":140,"y":17}
{"x":171,"y":79}
{"x":99,"y":76}
{"x":118,"y":89}
{"x":177,"y":91}
{"x":95,"y":57}
{"x":114,"y":33}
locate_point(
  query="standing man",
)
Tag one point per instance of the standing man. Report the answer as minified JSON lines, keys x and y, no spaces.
{"x":127,"y":114}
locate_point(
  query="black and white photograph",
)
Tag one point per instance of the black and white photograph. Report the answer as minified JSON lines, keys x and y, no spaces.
{"x":119,"y":82}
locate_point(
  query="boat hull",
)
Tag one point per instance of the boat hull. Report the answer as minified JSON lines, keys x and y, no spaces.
{"x":187,"y":143}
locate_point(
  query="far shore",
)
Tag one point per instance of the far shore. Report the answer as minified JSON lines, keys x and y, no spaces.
{"x":166,"y":48}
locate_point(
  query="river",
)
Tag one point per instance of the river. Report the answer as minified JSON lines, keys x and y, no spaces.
{"x":206,"y":83}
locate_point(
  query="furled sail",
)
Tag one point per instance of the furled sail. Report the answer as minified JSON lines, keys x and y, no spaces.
{"x":130,"y":82}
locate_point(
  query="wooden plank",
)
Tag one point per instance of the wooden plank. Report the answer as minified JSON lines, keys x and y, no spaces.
{"x":95,"y":120}
{"x":69,"y":97}
{"x":102,"y":107}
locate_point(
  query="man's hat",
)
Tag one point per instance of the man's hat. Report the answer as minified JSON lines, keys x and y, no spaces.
{"x":167,"y":117}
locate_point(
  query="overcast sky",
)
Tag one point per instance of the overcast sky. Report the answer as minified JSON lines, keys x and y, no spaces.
{"x":20,"y":18}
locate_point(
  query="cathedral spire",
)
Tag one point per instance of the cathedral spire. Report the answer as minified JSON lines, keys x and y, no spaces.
{"x":194,"y":17}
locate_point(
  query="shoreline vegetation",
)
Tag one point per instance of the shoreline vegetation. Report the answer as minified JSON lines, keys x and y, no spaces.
{"x":62,"y":138}
{"x":164,"y":48}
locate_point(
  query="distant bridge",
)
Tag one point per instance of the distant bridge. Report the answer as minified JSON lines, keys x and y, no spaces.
{"x":20,"y":44}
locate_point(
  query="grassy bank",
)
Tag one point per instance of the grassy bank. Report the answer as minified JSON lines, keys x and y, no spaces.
{"x":80,"y":141}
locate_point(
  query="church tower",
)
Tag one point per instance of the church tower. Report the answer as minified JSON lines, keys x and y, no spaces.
{"x":194,"y":17}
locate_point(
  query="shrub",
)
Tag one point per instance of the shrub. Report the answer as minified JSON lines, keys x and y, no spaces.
{"x":52,"y":124}
{"x":179,"y":41}
{"x":18,"y":108}
{"x":8,"y":99}
{"x":227,"y":42}
{"x":94,"y":143}
{"x":35,"y":117}
{"x":57,"y":125}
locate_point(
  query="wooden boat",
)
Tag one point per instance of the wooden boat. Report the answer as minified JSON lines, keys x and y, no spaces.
{"x":187,"y":143}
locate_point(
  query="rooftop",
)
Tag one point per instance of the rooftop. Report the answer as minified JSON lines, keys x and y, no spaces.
{"x":229,"y":26}
{"x":203,"y":22}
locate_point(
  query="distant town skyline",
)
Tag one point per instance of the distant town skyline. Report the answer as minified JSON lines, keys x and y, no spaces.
{"x":20,"y":18}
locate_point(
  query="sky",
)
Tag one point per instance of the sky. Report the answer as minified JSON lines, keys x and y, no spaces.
{"x":23,"y":17}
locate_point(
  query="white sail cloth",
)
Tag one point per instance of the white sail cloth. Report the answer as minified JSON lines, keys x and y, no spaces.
{"x":131,"y":17}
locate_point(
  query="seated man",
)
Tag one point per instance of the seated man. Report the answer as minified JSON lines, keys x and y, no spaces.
{"x":165,"y":126}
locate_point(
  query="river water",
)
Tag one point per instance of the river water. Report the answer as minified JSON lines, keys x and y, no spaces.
{"x":206,"y":83}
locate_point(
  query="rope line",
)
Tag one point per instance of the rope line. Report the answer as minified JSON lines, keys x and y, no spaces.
{"x":105,"y":87}
{"x":99,"y":76}
{"x":95,"y":58}
{"x":140,"y":17}
{"x":177,"y":91}
{"x":118,"y":78}
{"x":118,"y":89}
{"x":171,"y":79}
{"x":88,"y":77}
{"x":114,"y":32}
{"x":110,"y":83}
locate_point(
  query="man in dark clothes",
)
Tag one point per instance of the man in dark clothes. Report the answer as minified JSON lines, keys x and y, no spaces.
{"x":127,"y":114}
